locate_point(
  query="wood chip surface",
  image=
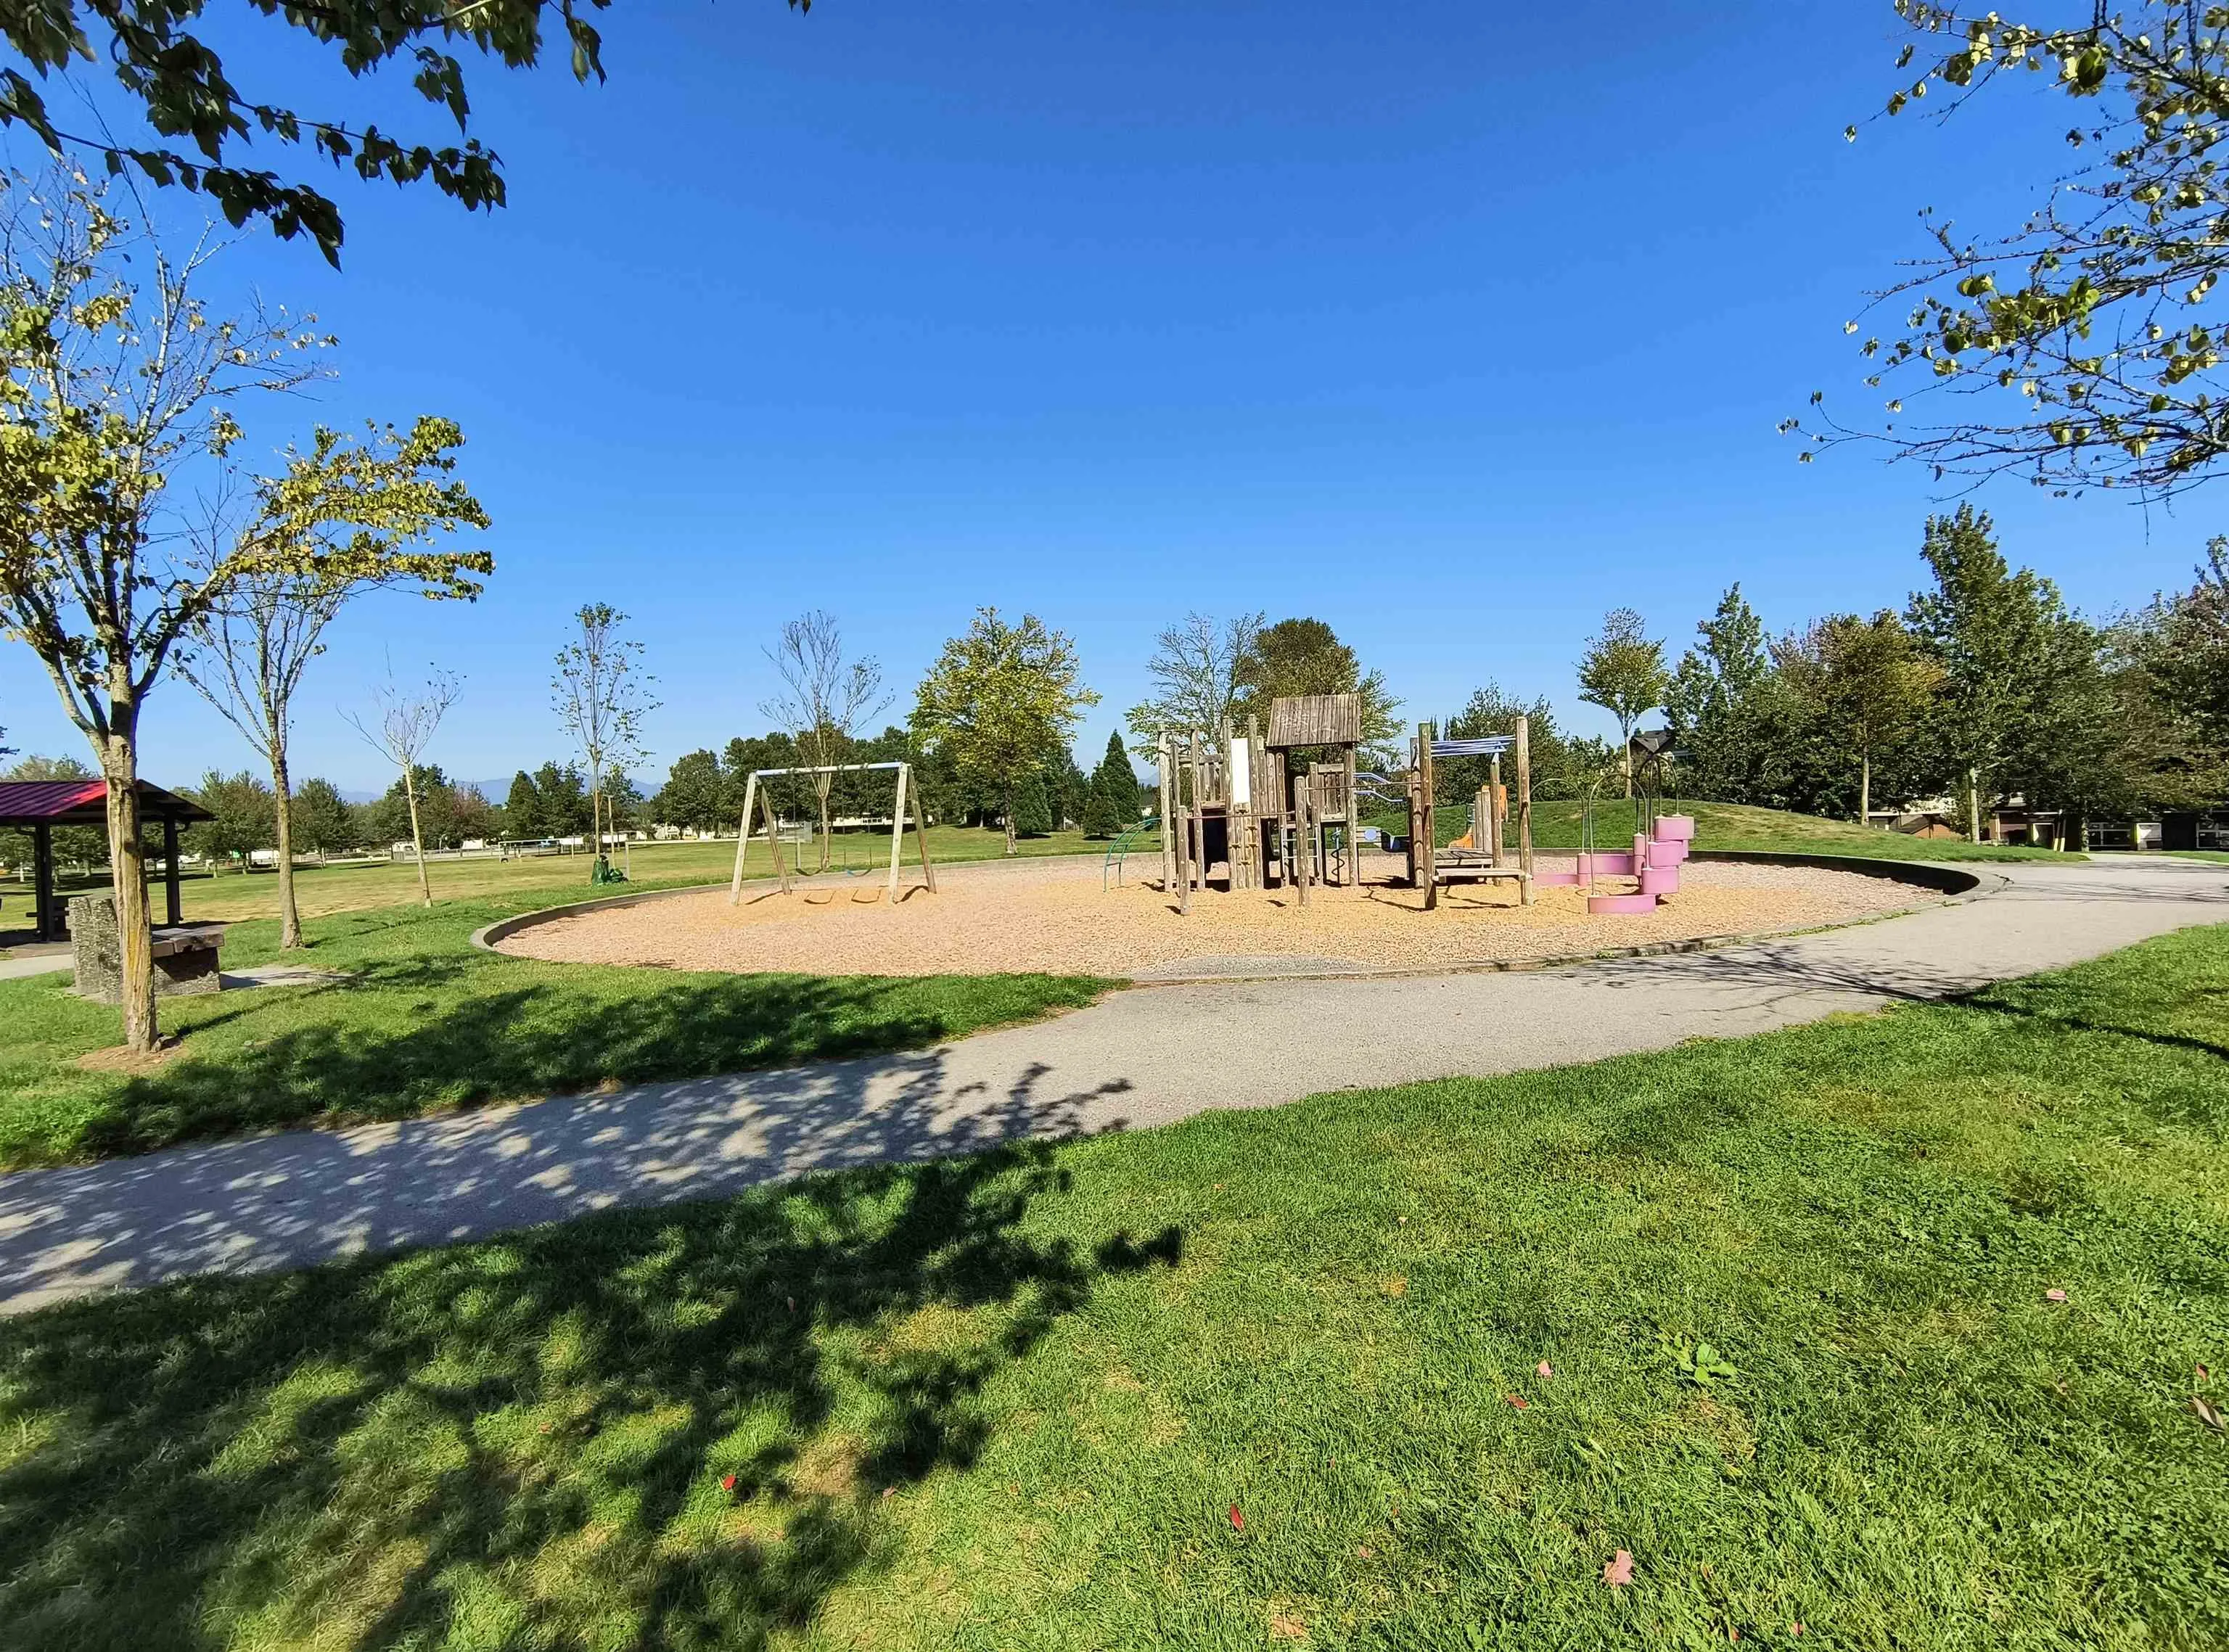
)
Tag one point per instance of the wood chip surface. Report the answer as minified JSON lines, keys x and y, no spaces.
{"x":1052,"y":916}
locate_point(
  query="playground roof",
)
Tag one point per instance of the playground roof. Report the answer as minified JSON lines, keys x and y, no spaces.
{"x":85,"y":802}
{"x":1314,"y":720}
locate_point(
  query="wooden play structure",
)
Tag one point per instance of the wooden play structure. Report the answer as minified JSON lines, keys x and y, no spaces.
{"x":761,"y":798}
{"x":1480,"y":855}
{"x":1243,"y":800}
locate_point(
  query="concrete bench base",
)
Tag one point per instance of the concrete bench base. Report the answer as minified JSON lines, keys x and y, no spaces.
{"x":186,"y":958}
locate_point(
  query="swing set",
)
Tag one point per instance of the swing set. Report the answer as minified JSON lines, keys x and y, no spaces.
{"x":761,"y":798}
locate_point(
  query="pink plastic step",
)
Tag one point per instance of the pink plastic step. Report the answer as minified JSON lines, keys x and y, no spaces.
{"x":1602,"y":864}
{"x":1660,"y":880}
{"x":1676,"y":828}
{"x":1565,"y":879}
{"x":1663,"y":852}
{"x":1607,"y":904}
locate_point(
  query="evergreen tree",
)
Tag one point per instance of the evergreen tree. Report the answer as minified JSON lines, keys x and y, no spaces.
{"x":1112,"y":802}
{"x":1720,"y":703}
{"x":1033,"y":814}
{"x":522,"y":813}
{"x":244,"y":818}
{"x":695,"y":795}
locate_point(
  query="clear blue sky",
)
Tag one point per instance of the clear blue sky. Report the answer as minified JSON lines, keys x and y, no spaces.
{"x":1451,"y":325}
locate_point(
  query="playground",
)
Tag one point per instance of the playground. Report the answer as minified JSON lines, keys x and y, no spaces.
{"x":1053,"y":916}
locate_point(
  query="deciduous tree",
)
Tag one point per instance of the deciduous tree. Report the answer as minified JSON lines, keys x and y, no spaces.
{"x":403,"y":723}
{"x":1876,"y":685}
{"x":346,"y":517}
{"x":1622,"y":672}
{"x":825,"y":698}
{"x":1296,"y":657}
{"x":2076,"y":349}
{"x":695,"y":795}
{"x":602,"y":698}
{"x":322,"y":820}
{"x":117,"y":382}
{"x":198,"y":118}
{"x":996,"y":699}
{"x":1194,"y":668}
{"x":242,"y":819}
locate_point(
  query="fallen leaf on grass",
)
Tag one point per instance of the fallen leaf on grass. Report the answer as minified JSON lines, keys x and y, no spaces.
{"x":2207,"y":1414}
{"x":2054,"y":1295}
{"x":1394,"y":1285}
{"x":727,"y":1483}
{"x":1519,"y":1401}
{"x":1617,"y":1572}
{"x":1544,"y":1369}
{"x":1286,"y":1627}
{"x":1365,"y":1551}
{"x":2203,"y":1373}
{"x":1238,"y":1520}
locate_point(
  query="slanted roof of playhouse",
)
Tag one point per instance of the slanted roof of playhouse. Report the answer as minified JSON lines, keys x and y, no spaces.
{"x":1314,"y":720}
{"x":85,"y":802}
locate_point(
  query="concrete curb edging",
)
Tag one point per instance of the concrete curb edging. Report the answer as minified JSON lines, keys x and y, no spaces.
{"x":1944,"y":877}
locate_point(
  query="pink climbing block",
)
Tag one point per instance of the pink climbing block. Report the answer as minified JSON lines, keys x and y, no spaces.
{"x":1602,"y":864}
{"x":1564,"y":879}
{"x":1676,"y":828}
{"x":1663,"y":853}
{"x":1660,"y":880}
{"x":1607,"y":904}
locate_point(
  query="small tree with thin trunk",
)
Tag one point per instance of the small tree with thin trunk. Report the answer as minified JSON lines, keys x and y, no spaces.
{"x":825,"y":699}
{"x":116,"y":384}
{"x":1622,"y":672}
{"x":602,"y":698}
{"x":1195,"y":669}
{"x":997,"y":699}
{"x":402,"y":726}
{"x":348,"y":517}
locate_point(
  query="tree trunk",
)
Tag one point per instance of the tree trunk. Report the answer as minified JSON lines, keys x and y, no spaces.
{"x":417,"y":837}
{"x":1864,"y":789}
{"x":282,"y":796}
{"x":127,"y":861}
{"x":1010,"y":846}
{"x":1974,"y":803}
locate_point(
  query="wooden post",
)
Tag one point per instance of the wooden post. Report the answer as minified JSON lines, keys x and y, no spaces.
{"x":1161,"y":760}
{"x":920,"y":838}
{"x":1524,"y":801}
{"x":44,"y":914}
{"x":742,"y":839}
{"x":172,"y":916}
{"x":1497,"y":802}
{"x":1428,"y":853}
{"x":1184,"y":841}
{"x":898,"y":832}
{"x":1303,"y":855}
{"x":1353,"y":820}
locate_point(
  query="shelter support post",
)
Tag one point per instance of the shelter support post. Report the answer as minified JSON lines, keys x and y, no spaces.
{"x":173,"y":914}
{"x":44,"y":913}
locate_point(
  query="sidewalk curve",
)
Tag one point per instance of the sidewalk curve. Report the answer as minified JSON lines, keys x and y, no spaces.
{"x":1141,"y":1057}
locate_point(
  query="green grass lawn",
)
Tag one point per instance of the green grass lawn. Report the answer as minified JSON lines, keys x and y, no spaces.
{"x":1791,"y":1293}
{"x":427,"y":1022}
{"x":225,"y":896}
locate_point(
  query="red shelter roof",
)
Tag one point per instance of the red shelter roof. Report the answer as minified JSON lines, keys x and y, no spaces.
{"x":85,"y":802}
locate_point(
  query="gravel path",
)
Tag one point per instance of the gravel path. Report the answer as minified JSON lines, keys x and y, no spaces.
{"x":1141,"y":1057}
{"x":1053,"y":916}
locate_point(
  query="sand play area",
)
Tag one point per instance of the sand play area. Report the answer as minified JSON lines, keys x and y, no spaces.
{"x":1051,"y":915}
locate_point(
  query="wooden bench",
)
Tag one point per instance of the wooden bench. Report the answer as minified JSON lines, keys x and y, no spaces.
{"x":168,"y":943}
{"x":1459,"y":866}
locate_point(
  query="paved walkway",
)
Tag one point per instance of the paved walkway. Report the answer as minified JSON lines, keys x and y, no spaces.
{"x":1141,"y":1057}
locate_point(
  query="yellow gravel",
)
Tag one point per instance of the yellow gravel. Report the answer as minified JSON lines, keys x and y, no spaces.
{"x":1051,"y":915}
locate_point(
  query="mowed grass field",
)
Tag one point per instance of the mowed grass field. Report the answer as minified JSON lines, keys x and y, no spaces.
{"x":1908,"y":1331}
{"x":422,"y":1021}
{"x":225,"y":896}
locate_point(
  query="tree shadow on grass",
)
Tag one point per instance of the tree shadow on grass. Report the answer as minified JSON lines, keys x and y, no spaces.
{"x":403,"y":1037}
{"x":523,"y":1440}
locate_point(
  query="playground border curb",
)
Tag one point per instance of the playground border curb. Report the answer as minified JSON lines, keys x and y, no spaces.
{"x":1946,"y":877}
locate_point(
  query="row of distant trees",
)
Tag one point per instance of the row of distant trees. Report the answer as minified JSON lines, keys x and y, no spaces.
{"x":1985,"y":686}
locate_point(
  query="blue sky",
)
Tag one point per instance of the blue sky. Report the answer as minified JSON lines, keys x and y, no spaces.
{"x":1453,"y":325}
